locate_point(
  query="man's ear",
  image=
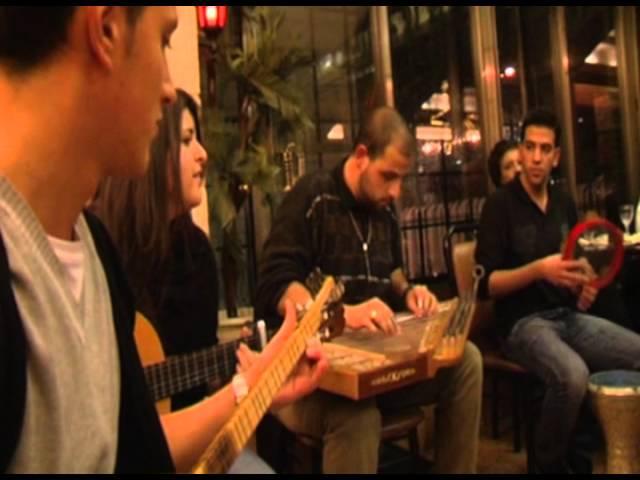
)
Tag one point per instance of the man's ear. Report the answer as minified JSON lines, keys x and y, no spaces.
{"x":105,"y":32}
{"x":362,"y":156}
{"x":556,"y":159}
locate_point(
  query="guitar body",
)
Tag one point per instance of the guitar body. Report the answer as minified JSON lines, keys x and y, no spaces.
{"x":175,"y":374}
{"x":151,"y":352}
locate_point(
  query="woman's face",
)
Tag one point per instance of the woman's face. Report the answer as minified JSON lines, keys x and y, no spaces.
{"x":510,"y":165}
{"x":193,"y":160}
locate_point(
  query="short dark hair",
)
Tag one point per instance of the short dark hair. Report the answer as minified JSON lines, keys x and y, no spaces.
{"x":29,"y":36}
{"x":542,"y":118}
{"x":383,"y":127}
{"x":495,"y":160}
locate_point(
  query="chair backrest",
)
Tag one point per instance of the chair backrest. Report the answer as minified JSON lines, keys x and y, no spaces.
{"x":463,"y":264}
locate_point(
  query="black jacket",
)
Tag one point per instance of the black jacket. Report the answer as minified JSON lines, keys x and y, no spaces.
{"x":321,"y":225}
{"x":183,"y":299}
{"x":515,"y":232}
{"x":142,"y":446}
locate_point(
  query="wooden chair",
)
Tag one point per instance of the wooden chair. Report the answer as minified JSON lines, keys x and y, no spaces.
{"x":401,"y":425}
{"x":460,"y":257}
{"x":274,"y":441}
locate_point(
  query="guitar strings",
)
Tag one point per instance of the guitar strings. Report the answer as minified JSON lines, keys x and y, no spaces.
{"x":190,"y":370}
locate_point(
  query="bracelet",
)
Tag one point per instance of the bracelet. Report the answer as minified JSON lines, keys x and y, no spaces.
{"x":240,"y":387}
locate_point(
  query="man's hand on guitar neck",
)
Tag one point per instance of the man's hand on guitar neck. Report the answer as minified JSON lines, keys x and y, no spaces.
{"x":305,"y":377}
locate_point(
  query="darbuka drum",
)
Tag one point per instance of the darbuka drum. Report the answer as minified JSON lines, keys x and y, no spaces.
{"x":615,"y":397}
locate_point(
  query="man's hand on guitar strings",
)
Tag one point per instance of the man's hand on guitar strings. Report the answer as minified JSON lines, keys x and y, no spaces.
{"x":306,"y":375}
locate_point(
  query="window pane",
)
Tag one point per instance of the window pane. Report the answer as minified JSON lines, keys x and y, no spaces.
{"x":435,"y":92}
{"x":336,"y":86}
{"x":534,"y":24}
{"x":591,"y":40}
{"x":511,"y":74}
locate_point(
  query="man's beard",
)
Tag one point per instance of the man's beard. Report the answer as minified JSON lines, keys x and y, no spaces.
{"x":367,"y":200}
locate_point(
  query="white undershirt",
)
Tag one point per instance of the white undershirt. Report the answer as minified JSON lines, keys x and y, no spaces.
{"x":71,"y":256}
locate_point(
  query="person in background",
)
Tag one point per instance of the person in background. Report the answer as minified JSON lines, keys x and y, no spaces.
{"x":169,"y":260}
{"x":541,"y":299}
{"x":504,"y":162}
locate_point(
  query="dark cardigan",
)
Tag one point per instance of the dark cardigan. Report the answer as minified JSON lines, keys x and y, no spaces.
{"x":142,"y":446}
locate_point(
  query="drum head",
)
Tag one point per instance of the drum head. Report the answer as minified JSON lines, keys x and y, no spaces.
{"x":616,"y":382}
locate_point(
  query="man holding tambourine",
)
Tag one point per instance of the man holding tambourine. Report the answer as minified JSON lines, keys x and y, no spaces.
{"x":542,"y":289}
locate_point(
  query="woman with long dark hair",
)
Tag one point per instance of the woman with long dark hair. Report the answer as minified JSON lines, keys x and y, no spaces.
{"x":172,"y":269}
{"x":168,"y":259}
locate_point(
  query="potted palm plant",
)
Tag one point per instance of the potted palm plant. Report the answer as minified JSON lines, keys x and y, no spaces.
{"x":243,"y":146}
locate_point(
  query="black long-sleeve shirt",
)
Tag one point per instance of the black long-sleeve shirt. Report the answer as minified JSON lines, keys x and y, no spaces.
{"x":320,"y":224}
{"x":183,"y":299}
{"x":515,"y":232}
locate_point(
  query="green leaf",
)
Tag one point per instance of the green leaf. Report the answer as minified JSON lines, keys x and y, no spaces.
{"x":241,"y":150}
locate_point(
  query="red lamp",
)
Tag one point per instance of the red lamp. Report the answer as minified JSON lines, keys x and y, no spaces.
{"x":212,"y":19}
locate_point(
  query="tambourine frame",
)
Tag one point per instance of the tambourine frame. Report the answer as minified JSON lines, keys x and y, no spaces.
{"x":618,"y":246}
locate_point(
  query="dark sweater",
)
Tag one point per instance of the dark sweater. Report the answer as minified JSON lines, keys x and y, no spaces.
{"x":314,"y":227}
{"x":184,"y":299}
{"x":142,"y":446}
{"x":515,"y":232}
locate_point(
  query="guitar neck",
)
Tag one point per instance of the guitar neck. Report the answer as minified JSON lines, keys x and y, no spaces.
{"x":229,"y":442}
{"x":183,"y":372}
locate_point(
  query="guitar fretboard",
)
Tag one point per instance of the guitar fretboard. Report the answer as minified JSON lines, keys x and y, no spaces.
{"x":183,"y":372}
{"x":221,"y":454}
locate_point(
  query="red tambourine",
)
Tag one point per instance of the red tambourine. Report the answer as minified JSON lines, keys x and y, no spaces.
{"x":601,"y":244}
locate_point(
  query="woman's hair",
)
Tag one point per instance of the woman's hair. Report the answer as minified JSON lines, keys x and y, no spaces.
{"x":137,"y":212}
{"x":495,"y":160}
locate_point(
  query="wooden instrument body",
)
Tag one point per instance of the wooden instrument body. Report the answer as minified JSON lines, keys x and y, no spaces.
{"x":168,"y":376}
{"x":151,"y":352}
{"x":365,"y":364}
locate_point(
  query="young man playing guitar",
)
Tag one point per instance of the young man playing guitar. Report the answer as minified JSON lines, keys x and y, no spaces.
{"x":81,"y":93}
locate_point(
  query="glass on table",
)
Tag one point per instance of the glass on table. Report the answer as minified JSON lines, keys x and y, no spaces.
{"x":626,"y":216}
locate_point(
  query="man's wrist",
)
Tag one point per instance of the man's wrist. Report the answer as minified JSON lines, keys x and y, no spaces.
{"x":538,"y":270}
{"x":406,"y":291}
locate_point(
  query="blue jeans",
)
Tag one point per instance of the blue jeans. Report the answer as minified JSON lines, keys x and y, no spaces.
{"x":248,"y":463}
{"x":563,"y":348}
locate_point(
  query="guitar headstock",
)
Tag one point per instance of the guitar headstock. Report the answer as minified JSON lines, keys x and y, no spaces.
{"x":333,"y":322}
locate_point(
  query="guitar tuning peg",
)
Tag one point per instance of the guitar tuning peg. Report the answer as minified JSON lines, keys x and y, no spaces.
{"x":337,"y":292}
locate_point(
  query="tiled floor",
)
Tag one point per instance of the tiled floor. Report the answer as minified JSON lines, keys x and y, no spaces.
{"x":494,"y":457}
{"x":498,"y":456}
